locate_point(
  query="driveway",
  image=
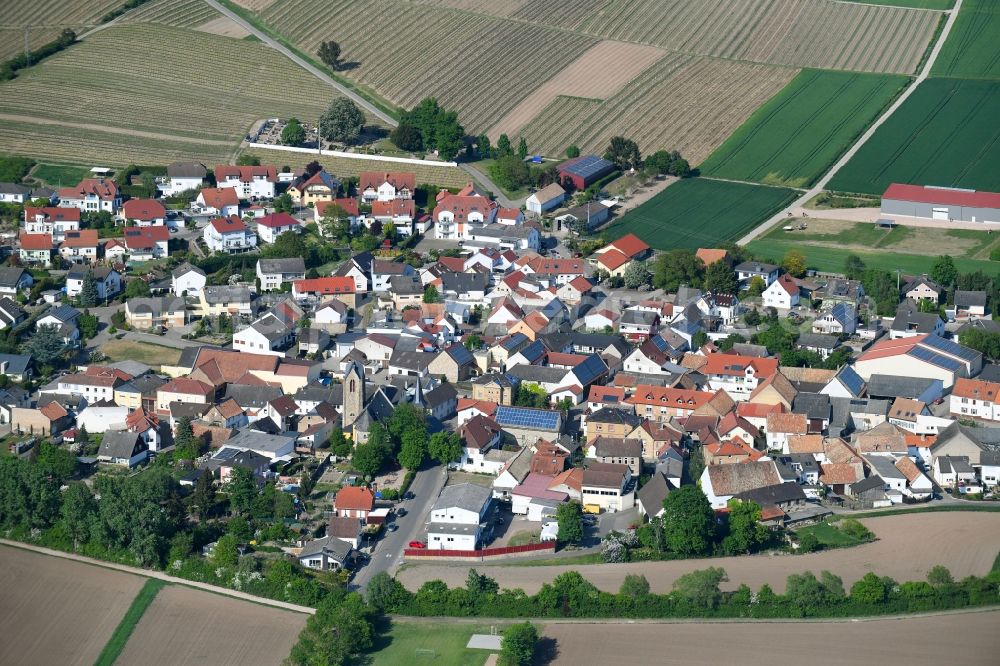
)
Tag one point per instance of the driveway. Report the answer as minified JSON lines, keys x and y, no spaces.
{"x":387,"y":553}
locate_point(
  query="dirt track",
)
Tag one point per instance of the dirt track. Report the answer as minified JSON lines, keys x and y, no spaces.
{"x":58,"y":612}
{"x":969,"y":639}
{"x":906,"y":549}
{"x":185,"y":626}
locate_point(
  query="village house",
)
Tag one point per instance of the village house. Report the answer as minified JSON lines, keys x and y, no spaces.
{"x":230,"y":235}
{"x":737,"y":375}
{"x":162,"y":311}
{"x":36,"y":248}
{"x":181,"y":177}
{"x":146,"y":243}
{"x":458,"y":519}
{"x":374,"y":186}
{"x":80,"y":246}
{"x":341,"y":288}
{"x":143,"y":213}
{"x":187,"y":280}
{"x":249,"y":182}
{"x":221,"y":201}
{"x":92,"y":195}
{"x":455,"y":215}
{"x":107,"y":281}
{"x":609,"y":486}
{"x":273,"y":273}
{"x":51,"y":220}
{"x":222,"y":299}
{"x":310,"y":190}
{"x":545,"y":199}
{"x":269,"y":227}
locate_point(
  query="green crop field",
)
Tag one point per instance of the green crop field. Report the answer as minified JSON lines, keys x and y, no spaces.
{"x":697,"y":213}
{"x":946,"y":133}
{"x":130,"y":93}
{"x":826,"y":244}
{"x":60,"y":175}
{"x":420,"y":642}
{"x":794,"y":137}
{"x":973,"y":47}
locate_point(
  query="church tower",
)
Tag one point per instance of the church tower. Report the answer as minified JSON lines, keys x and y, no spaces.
{"x":354,"y":393}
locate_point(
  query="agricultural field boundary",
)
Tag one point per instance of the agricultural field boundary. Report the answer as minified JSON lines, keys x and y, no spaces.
{"x":113,"y":648}
{"x":159,"y":575}
{"x":821,"y":184}
{"x":353,"y":156}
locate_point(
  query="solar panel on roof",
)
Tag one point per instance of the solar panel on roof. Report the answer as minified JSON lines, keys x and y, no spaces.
{"x":590,"y":369}
{"x":521,"y":417}
{"x":949,"y":347}
{"x":934,"y":358}
{"x":852,"y":380}
{"x":588,"y":166}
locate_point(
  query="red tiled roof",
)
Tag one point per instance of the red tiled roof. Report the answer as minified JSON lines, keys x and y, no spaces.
{"x":734,"y":364}
{"x":143,"y":209}
{"x":219,"y":197}
{"x":545,"y":266}
{"x":400,"y":180}
{"x":187,"y":386}
{"x":276,"y":220}
{"x":229,"y":224}
{"x":141,"y":238}
{"x":36,"y":241}
{"x":354,"y":498}
{"x":613,"y":259}
{"x":941,"y":195}
{"x":53,"y":213}
{"x":508,"y":213}
{"x":349,"y":205}
{"x":630,"y":245}
{"x":888,"y":348}
{"x":106,"y":190}
{"x":326,"y":285}
{"x":787,"y":423}
{"x":246,"y":174}
{"x":976,"y":389}
{"x":394,"y":208}
{"x":82,"y":238}
{"x":646,"y":394}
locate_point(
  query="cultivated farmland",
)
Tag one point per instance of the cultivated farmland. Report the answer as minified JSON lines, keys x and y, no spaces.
{"x":972,"y":48}
{"x":212,"y":90}
{"x":966,"y":542}
{"x":184,"y":625}
{"x":598,"y":74}
{"x":697,"y":213}
{"x":914,"y":640}
{"x":655,"y":108}
{"x":180,"y":13}
{"x":478,"y":64}
{"x":47,"y":19}
{"x":798,"y":133}
{"x":55,"y":611}
{"x":443,"y":176}
{"x":945,"y":134}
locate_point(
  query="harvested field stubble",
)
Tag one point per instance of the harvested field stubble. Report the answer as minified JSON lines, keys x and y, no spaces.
{"x":55,"y":611}
{"x":184,"y":625}
{"x":908,"y":546}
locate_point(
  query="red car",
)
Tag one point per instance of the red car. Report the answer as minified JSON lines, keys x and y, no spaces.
{"x":417,"y":544}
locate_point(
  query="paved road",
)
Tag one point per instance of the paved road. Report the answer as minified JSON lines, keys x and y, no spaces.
{"x":846,"y":157}
{"x":388,"y":552}
{"x":319,"y":74}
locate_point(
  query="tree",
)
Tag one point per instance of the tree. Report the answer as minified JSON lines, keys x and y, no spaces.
{"x":677,"y":267}
{"x":701,"y":588}
{"x":634,"y":586}
{"x":203,"y":497}
{"x":517,"y":647}
{"x":385,"y":593}
{"x":137,"y":288}
{"x":225,"y":553}
{"x":939,"y":576}
{"x":339,"y":444}
{"x":680,"y":168}
{"x":88,"y":290}
{"x":78,"y":511}
{"x":283,"y":204}
{"x":569,"y":517}
{"x":46,"y":345}
{"x":412,"y":453}
{"x":342,"y":122}
{"x":688,"y":521}
{"x":340,"y":629}
{"x":431,"y":294}
{"x":522,"y":148}
{"x":757,"y":286}
{"x":407,"y":137}
{"x":795,"y":263}
{"x":943,"y":271}
{"x":293,"y":133}
{"x":659,"y":162}
{"x":854,"y":267}
{"x":573,"y":151}
{"x":186,"y":445}
{"x":88,"y":325}
{"x":484,"y":147}
{"x":503,"y":147}
{"x":247,"y":160}
{"x":746,"y":533}
{"x":510,"y":172}
{"x":445,"y":447}
{"x":389,"y":230}
{"x":329,"y":53}
{"x":720,"y":278}
{"x":870,"y":589}
{"x":635,"y":275}
{"x":368,"y":459}
{"x":473,"y":342}
{"x":624,"y":153}
{"x":242,"y":490}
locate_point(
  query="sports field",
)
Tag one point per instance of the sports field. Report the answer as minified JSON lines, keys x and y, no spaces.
{"x":826,"y":244}
{"x":800,"y":132}
{"x":946,"y":133}
{"x":697,"y":212}
{"x":437,"y":643}
{"x":973,"y":47}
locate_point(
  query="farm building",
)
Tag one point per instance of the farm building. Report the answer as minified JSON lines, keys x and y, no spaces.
{"x":545,"y":199}
{"x":941,"y":203}
{"x":585,"y":170}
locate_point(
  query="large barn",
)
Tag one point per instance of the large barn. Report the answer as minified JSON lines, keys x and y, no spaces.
{"x":585,"y":170}
{"x":941,"y":203}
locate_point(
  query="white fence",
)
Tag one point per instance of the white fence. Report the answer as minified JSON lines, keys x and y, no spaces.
{"x":354,"y":156}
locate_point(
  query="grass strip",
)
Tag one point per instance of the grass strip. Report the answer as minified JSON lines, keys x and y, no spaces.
{"x":120,"y":637}
{"x":984,"y":506}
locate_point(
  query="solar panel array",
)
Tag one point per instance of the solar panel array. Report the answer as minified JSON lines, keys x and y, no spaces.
{"x":589,"y":166}
{"x":934,"y":358}
{"x":852,"y":380}
{"x":590,"y":369}
{"x":659,"y":342}
{"x":949,"y":347}
{"x":524,"y":417}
